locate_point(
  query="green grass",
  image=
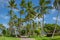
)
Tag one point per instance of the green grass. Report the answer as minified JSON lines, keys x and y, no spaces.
{"x":48,"y":38}
{"x":9,"y":38}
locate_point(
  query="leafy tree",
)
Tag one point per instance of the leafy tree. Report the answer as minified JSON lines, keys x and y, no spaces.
{"x":49,"y":28}
{"x":2,"y":29}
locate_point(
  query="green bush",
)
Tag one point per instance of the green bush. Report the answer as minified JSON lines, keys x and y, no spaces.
{"x":22,"y":32}
{"x":49,"y":28}
{"x":37,"y":32}
{"x":4,"y":32}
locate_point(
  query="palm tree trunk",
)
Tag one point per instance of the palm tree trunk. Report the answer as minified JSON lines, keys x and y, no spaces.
{"x":33,"y":27}
{"x":30,"y":27}
{"x":16,"y":33}
{"x":20,"y":25}
{"x":55,"y":26}
{"x":42,"y":25}
{"x":29,"y":30}
{"x":56,"y":21}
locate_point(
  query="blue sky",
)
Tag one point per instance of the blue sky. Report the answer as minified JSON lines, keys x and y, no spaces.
{"x":4,"y":19}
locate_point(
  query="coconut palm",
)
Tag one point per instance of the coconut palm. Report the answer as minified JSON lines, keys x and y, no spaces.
{"x":42,"y":10}
{"x":29,"y":9}
{"x":21,"y":12}
{"x":30,"y":13}
{"x":12,"y":5}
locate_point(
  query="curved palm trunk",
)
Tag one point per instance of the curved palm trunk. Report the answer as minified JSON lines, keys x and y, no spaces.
{"x":56,"y":22}
{"x":55,"y":26}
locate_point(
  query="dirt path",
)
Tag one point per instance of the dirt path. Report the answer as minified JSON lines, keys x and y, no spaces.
{"x":27,"y":39}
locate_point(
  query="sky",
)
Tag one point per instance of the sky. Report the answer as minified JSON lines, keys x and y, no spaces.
{"x":4,"y":19}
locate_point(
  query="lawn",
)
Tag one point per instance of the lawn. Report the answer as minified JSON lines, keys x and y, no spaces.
{"x":9,"y":38}
{"x":48,"y":38}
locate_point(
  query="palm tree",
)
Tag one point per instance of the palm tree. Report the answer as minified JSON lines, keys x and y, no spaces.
{"x":57,"y":7}
{"x":34,"y":27}
{"x":12,"y":5}
{"x":13,"y":23}
{"x":21,"y":12}
{"x":30,"y":13}
{"x":29,"y":10}
{"x":43,"y":9}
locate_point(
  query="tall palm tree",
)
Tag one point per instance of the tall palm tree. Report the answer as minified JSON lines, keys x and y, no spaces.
{"x":12,"y":5}
{"x":21,"y":12}
{"x":29,"y":9}
{"x":57,"y":7}
{"x":34,"y":27}
{"x":43,"y":9}
{"x":12,"y":23}
{"x":30,"y":13}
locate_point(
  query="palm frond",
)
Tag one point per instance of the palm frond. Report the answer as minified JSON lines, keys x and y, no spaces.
{"x":41,"y":2}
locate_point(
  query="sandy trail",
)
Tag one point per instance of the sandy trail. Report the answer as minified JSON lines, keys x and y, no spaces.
{"x":27,"y":39}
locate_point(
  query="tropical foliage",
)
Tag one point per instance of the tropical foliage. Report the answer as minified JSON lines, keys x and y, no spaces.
{"x":25,"y":24}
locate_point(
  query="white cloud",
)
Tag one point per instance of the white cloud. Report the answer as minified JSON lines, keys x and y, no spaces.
{"x":6,"y":25}
{"x":44,"y":16}
{"x":54,"y":18}
{"x":44,"y":21}
{"x":3,"y":3}
{"x":37,"y":19}
{"x":15,"y":10}
{"x":4,"y":17}
{"x":52,"y":6}
{"x":53,"y":11}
